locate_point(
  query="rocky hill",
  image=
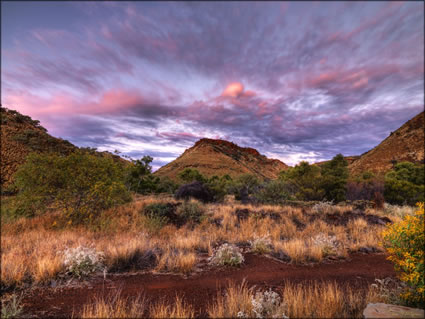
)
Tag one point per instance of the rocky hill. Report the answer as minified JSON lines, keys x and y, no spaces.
{"x":405,"y":144}
{"x":218,"y":157}
{"x":21,"y":135}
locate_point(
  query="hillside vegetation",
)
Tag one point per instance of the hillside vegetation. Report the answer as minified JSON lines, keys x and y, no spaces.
{"x":218,"y":157}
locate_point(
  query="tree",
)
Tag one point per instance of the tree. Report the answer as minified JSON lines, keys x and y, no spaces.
{"x":244,"y":186}
{"x":219,"y":186}
{"x":139,"y":176}
{"x":405,"y":184}
{"x":303,"y":181}
{"x":273,"y":192}
{"x":80,"y":184}
{"x":334,"y":178}
{"x":189,"y":175}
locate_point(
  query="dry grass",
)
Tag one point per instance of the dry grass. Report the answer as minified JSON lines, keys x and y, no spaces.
{"x":176,"y":261}
{"x":32,"y":248}
{"x":236,"y":298}
{"x":308,"y":300}
{"x":179,"y":309}
{"x":115,"y":306}
{"x":323,"y":300}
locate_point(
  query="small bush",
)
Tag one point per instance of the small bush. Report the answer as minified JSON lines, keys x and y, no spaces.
{"x":191,"y":212}
{"x":164,"y":212}
{"x":82,"y":261}
{"x":196,"y":190}
{"x":268,"y":304}
{"x":11,"y":308}
{"x":322,"y":207}
{"x":405,"y":242}
{"x":329,"y":244}
{"x":261,"y":245}
{"x":227,"y":254}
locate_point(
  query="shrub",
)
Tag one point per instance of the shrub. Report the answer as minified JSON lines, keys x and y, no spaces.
{"x":268,"y":304}
{"x":82,"y":261}
{"x":219,"y":186}
{"x":80,"y":184}
{"x":261,"y":245}
{"x":273,"y":192}
{"x":162,"y":212}
{"x":196,"y":190}
{"x":139,"y":177}
{"x":303,"y":181}
{"x":334,"y":178}
{"x":405,"y":242}
{"x":322,"y":207}
{"x":244,"y":186}
{"x":405,"y":184}
{"x":191,"y":212}
{"x":227,"y":254}
{"x":189,"y":175}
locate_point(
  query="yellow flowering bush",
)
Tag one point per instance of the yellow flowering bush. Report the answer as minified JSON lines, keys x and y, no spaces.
{"x":404,"y":242}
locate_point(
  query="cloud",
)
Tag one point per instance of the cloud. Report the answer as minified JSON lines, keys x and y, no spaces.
{"x":294,"y":82}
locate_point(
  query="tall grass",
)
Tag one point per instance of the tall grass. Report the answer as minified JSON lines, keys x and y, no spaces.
{"x":32,"y":248}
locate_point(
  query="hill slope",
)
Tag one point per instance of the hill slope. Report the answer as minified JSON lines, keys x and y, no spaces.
{"x":218,"y":157}
{"x":405,"y":144}
{"x":21,"y":135}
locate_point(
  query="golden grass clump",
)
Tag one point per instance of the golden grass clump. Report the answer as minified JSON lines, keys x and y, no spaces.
{"x":179,"y":309}
{"x":115,"y":306}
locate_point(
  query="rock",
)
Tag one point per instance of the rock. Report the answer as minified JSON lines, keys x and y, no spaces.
{"x":382,"y":310}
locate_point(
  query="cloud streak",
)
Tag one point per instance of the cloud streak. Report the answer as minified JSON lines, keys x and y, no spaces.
{"x":293,"y":81}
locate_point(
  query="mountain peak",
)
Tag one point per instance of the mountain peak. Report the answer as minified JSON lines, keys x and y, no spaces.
{"x":220,"y":157}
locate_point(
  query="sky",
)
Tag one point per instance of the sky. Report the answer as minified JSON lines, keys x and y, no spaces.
{"x":296,"y":81}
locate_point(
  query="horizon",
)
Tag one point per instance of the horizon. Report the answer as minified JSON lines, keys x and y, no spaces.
{"x":153,"y":78}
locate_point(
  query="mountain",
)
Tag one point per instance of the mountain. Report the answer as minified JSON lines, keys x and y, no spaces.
{"x":21,"y":135}
{"x":405,"y":144}
{"x":219,"y":157}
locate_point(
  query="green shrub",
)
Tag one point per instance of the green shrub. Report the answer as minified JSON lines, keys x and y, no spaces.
{"x":163,"y":212}
{"x":191,"y":212}
{"x":244,"y":186}
{"x":405,"y":184}
{"x":405,"y":242}
{"x":80,"y":184}
{"x":273,"y":192}
{"x":303,"y":181}
{"x":219,"y":186}
{"x":334,"y":178}
{"x":189,"y":175}
{"x":139,"y":178}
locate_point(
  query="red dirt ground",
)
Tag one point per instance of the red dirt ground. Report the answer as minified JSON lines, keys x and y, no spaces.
{"x":200,"y":289}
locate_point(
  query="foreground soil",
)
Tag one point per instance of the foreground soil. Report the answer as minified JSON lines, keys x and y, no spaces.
{"x":200,"y":289}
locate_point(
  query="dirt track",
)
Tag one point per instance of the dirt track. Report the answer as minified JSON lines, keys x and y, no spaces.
{"x":201,"y":288}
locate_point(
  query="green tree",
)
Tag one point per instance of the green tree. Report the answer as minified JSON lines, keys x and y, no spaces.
{"x":273,"y":192}
{"x":189,"y":175}
{"x":303,"y":181}
{"x":405,"y":184}
{"x":166,"y":185}
{"x":334,"y":178}
{"x":139,"y":176}
{"x":80,"y":184}
{"x":244,"y":186}
{"x":219,"y":186}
